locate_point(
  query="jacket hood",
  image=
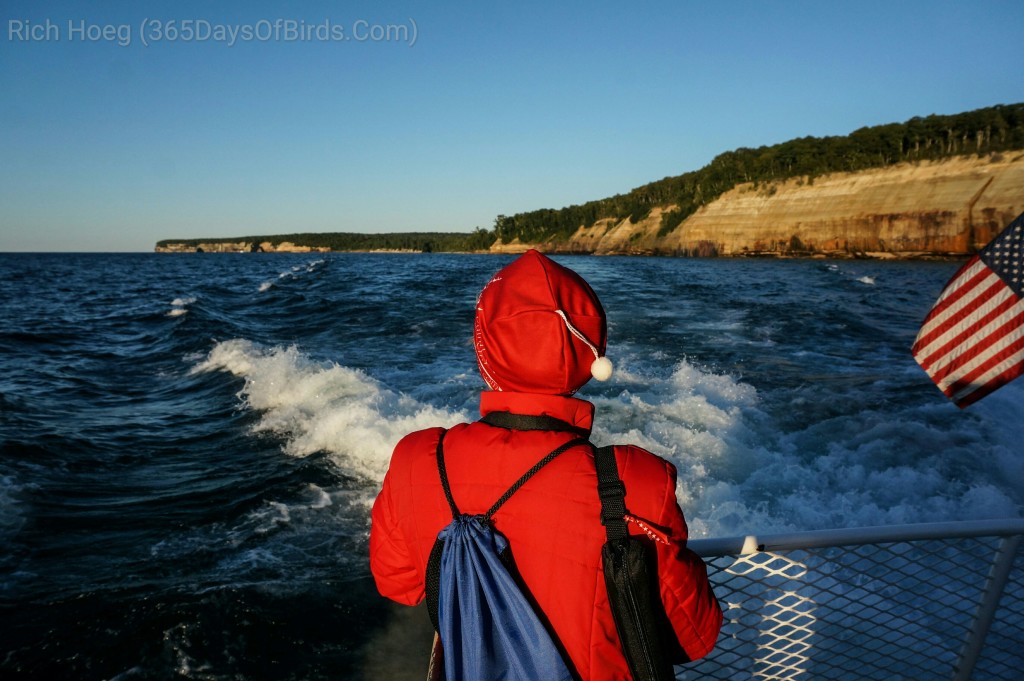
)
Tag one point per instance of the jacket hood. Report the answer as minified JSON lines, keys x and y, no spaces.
{"x":539,"y":328}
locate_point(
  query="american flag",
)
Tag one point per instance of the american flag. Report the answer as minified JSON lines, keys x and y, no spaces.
{"x":972,"y":340}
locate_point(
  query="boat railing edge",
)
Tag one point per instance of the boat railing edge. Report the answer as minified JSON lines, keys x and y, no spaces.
{"x":881,"y":534}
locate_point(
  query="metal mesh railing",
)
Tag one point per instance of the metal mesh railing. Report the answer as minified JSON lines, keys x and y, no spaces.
{"x":921,"y":602}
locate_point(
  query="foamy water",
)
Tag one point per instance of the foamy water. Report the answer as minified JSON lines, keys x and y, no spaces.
{"x":179,"y":306}
{"x":738,"y":472}
{"x":324,"y":407}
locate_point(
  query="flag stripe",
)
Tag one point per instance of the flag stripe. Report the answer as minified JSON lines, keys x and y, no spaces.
{"x":943,"y":341}
{"x":960,"y":306}
{"x":1005,"y":340}
{"x":981,"y":337}
{"x":1014,"y":367}
{"x":969,"y":276}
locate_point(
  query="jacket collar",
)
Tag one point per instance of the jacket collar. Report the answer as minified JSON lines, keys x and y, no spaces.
{"x":574,"y":411}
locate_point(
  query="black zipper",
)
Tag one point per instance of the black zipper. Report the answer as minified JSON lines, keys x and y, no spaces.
{"x":635,"y":614}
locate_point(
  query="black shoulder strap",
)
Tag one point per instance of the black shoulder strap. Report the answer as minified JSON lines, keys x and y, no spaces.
{"x":432,"y":581}
{"x":506,"y":419}
{"x":443,"y":473}
{"x":530,"y":473}
{"x":612,"y":493}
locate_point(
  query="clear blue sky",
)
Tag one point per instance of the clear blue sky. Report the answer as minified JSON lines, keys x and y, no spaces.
{"x":471,"y":110}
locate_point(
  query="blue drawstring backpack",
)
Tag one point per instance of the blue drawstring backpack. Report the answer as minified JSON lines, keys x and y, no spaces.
{"x":487,"y":626}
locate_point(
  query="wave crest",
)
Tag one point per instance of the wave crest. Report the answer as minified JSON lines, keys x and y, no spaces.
{"x":318,"y":406}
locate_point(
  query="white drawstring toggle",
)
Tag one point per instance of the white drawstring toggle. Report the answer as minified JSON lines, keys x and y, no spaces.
{"x":601,"y":367}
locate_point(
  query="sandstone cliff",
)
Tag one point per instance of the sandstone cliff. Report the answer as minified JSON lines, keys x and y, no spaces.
{"x":946,"y":207}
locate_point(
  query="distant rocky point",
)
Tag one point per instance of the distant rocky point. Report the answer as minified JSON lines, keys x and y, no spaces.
{"x":211,"y":246}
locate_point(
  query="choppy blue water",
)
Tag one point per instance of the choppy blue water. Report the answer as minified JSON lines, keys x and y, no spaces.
{"x":190,"y":444}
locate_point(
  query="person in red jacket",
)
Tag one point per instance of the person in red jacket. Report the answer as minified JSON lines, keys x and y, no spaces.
{"x":540,"y":335}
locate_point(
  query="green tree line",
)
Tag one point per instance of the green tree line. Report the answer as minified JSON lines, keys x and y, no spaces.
{"x":985,"y":131}
{"x":449,"y":242}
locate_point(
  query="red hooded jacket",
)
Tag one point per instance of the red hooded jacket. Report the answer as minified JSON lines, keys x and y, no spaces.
{"x":552,"y":524}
